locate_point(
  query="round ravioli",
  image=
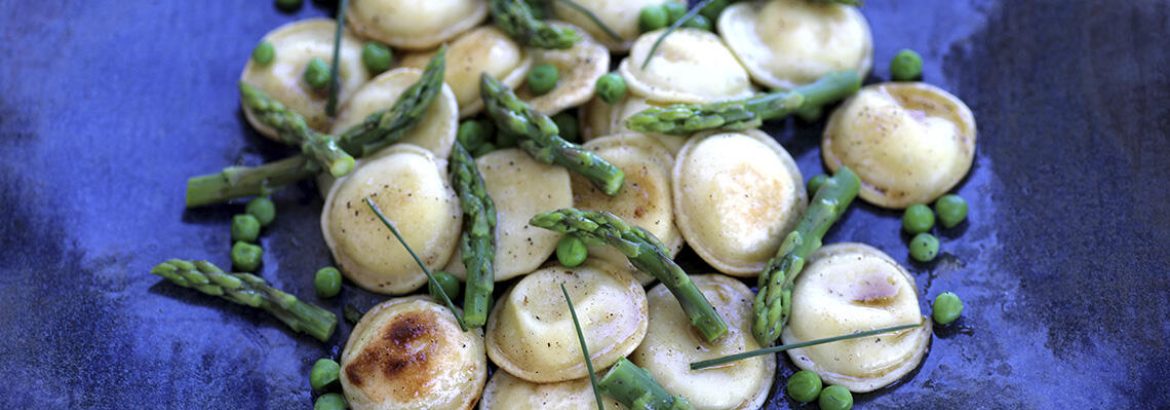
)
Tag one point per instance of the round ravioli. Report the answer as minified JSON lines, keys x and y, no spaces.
{"x":621,"y":16}
{"x":521,"y":187}
{"x":579,"y":68}
{"x":600,"y":119}
{"x":671,"y":346}
{"x":482,"y":50}
{"x":691,"y":66}
{"x":852,"y":287}
{"x":409,"y":353}
{"x":909,"y":143}
{"x":414,"y":25}
{"x":530,"y":333}
{"x":644,"y":200}
{"x":507,"y":392}
{"x":786,"y":43}
{"x":736,"y":195}
{"x":435,"y":131}
{"x":295,"y":44}
{"x":410,"y":186}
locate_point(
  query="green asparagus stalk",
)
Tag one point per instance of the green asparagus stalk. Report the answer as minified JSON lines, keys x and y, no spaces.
{"x":250,"y":290}
{"x":646,"y":252}
{"x":539,"y":136}
{"x":238,"y":182}
{"x":478,"y":242}
{"x":686,"y":119}
{"x":635,"y":388}
{"x":516,"y":18}
{"x":773,"y":302}
{"x":291,"y":129}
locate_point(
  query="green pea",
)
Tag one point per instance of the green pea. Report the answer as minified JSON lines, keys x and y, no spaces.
{"x":611,"y":88}
{"x":376,"y":57}
{"x":653,"y":17}
{"x":448,"y":282}
{"x":674,"y":10}
{"x":330,"y":401}
{"x":543,"y":78}
{"x":906,"y":66}
{"x":263,"y":53}
{"x":946,"y":308}
{"x":571,"y":251}
{"x":804,"y":386}
{"x":713,"y":9}
{"x":327,"y":282}
{"x":316,"y":73}
{"x":952,"y":210}
{"x":263,"y":209}
{"x":924,"y":247}
{"x":918,"y":218}
{"x":567,"y":123}
{"x":245,"y":228}
{"x":835,"y":398}
{"x":699,"y":22}
{"x":484,"y":150}
{"x":474,"y":133}
{"x":289,"y":5}
{"x":246,"y":257}
{"x":324,"y":373}
{"x":815,"y":184}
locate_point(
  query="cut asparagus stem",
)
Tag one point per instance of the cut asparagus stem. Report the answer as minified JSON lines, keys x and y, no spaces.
{"x":515,"y":18}
{"x":584,"y":348}
{"x":477,"y":244}
{"x":238,"y":182}
{"x":777,"y":349}
{"x":291,"y":129}
{"x":773,"y":302}
{"x":646,"y":253}
{"x":250,"y":290}
{"x":635,"y":388}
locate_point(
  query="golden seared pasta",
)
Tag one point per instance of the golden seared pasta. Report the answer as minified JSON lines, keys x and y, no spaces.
{"x":909,"y":143}
{"x":521,"y":187}
{"x":409,"y":353}
{"x":600,"y":119}
{"x":295,"y":44}
{"x":410,"y":186}
{"x":736,"y":195}
{"x":671,"y":346}
{"x":507,"y":392}
{"x":786,"y":43}
{"x":644,"y":199}
{"x":482,"y":50}
{"x":530,"y":333}
{"x":412,"y":24}
{"x":691,"y":66}
{"x":621,"y":16}
{"x":435,"y":131}
{"x":579,"y":68}
{"x":851,"y":287}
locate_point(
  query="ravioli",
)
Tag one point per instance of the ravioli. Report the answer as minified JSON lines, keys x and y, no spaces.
{"x":435,"y":131}
{"x":485,"y":49}
{"x":579,"y":68}
{"x":621,"y":16}
{"x":690,"y":66}
{"x":599,"y":119}
{"x":507,"y":392}
{"x":412,"y":24}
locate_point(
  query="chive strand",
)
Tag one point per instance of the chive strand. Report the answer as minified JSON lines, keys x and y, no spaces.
{"x":777,"y":349}
{"x":674,"y":26}
{"x":584,"y":349}
{"x":334,"y":82}
{"x":593,"y":17}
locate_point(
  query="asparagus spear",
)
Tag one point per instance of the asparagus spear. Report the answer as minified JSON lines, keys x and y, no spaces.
{"x":238,"y":182}
{"x":250,"y":290}
{"x":685,"y":119}
{"x":539,"y":136}
{"x":478,"y":242}
{"x":647,"y":254}
{"x":774,"y":300}
{"x":291,"y":129}
{"x":516,"y":18}
{"x":635,"y":388}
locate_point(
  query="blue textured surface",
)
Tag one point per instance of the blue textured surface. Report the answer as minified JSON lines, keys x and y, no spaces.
{"x":106,"y":107}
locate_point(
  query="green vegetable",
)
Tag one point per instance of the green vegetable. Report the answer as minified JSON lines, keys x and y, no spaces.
{"x":484,"y":150}
{"x":474,"y":133}
{"x":289,"y":5}
{"x":699,"y":22}
{"x":774,"y":300}
{"x":952,"y":210}
{"x":924,"y":247}
{"x":810,"y":113}
{"x":377,"y":58}
{"x":815,"y":183}
{"x":835,"y":398}
{"x":249,"y":290}
{"x":713,"y":9}
{"x":918,"y":218}
{"x":567,"y":124}
{"x":782,"y":348}
{"x":324,"y":373}
{"x":516,"y":18}
{"x":335,"y":66}
{"x":477,"y":244}
{"x":635,"y":388}
{"x":505,"y":139}
{"x":645,"y":251}
{"x":906,"y":66}
{"x":804,"y":386}
{"x":316,"y":74}
{"x":246,"y":257}
{"x":352,"y":313}
{"x":611,"y":88}
{"x":384,"y":128}
{"x":686,"y":119}
{"x":449,"y":284}
{"x":538,"y":136}
{"x":292,"y":129}
{"x":593,"y":18}
{"x":327,"y":282}
{"x":653,"y":17}
{"x":571,"y":251}
{"x":263,"y":53}
{"x":674,"y":10}
{"x":245,"y":228}
{"x":543,"y":78}
{"x":679,"y":15}
{"x":330,"y":401}
{"x":584,"y":348}
{"x":946,"y":308}
{"x":263,"y":209}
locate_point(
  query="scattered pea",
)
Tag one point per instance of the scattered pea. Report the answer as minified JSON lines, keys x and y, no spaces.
{"x":946,"y":308}
{"x":804,"y":386}
{"x":324,"y":373}
{"x":835,"y":398}
{"x":330,"y":401}
{"x":611,"y":88}
{"x":952,"y":210}
{"x":327,"y":282}
{"x":448,"y":282}
{"x":474,"y":133}
{"x":263,"y":209}
{"x":815,"y":184}
{"x":699,"y":22}
{"x":906,"y":66}
{"x":924,"y":247}
{"x":918,"y":218}
{"x":316,"y":73}
{"x":567,"y":123}
{"x":653,"y":17}
{"x":571,"y":251}
{"x":245,"y":227}
{"x":263,"y":53}
{"x":246,"y":257}
{"x":543,"y":78}
{"x":289,"y":5}
{"x":674,"y":10}
{"x":377,"y":58}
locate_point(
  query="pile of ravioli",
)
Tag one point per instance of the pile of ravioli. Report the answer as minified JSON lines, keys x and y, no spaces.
{"x":729,"y":196}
